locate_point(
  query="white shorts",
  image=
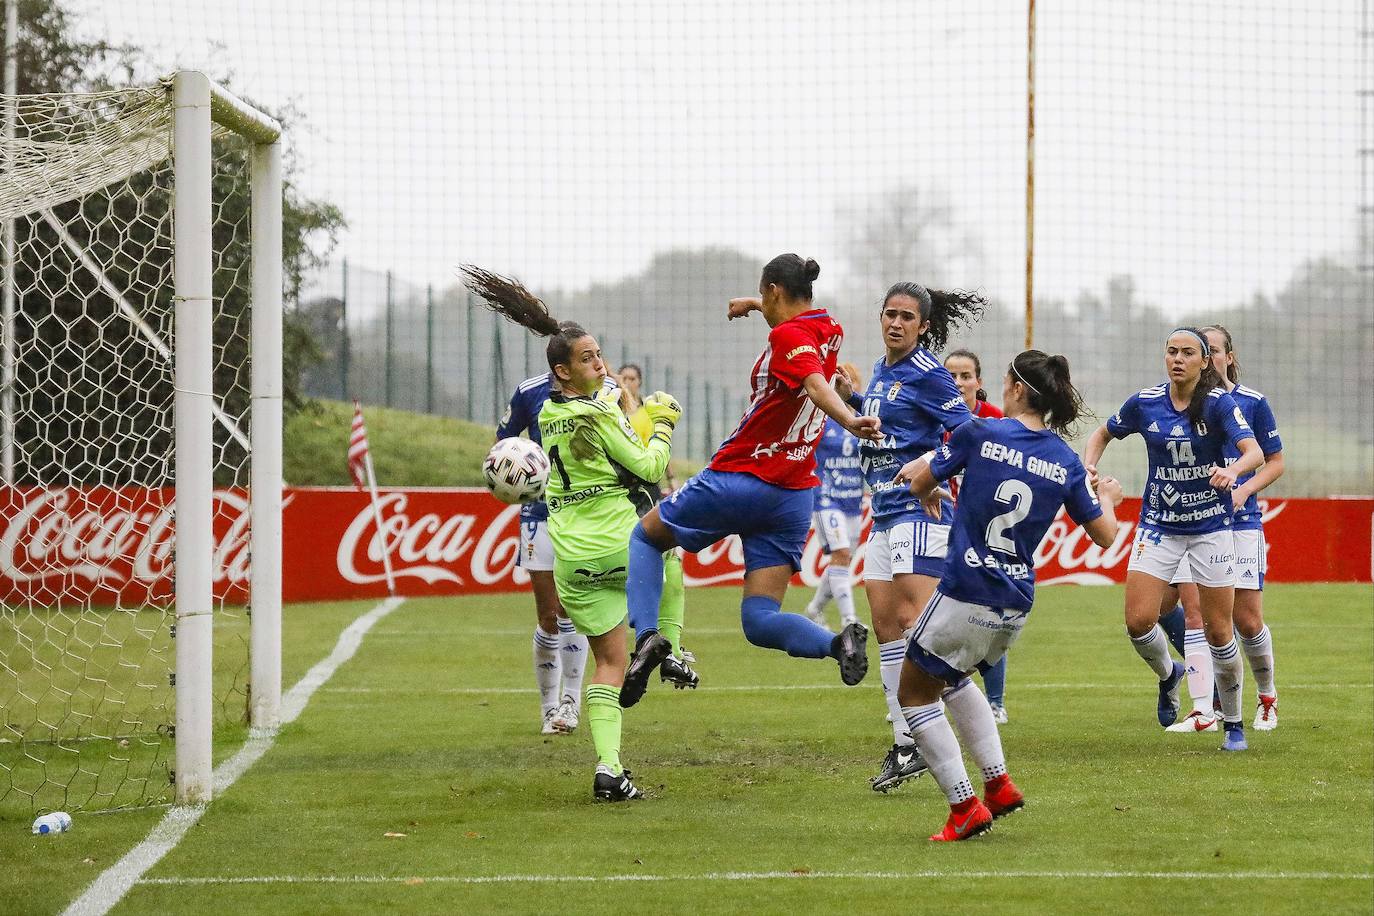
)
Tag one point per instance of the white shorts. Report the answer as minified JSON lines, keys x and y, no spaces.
{"x":1210,"y":559}
{"x":536,"y":550}
{"x":835,"y":530}
{"x":906,"y":547}
{"x":1251,"y":561}
{"x":952,"y":637}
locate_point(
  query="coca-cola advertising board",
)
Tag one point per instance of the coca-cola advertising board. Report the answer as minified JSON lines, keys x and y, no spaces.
{"x":103,"y":545}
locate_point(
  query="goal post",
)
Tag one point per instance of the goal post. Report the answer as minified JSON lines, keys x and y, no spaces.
{"x":198,"y":102}
{"x":141,"y":427}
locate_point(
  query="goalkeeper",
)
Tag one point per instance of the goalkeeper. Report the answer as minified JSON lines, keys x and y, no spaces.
{"x":597,"y":462}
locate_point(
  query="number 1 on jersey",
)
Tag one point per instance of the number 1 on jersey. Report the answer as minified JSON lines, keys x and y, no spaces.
{"x":558,"y":463}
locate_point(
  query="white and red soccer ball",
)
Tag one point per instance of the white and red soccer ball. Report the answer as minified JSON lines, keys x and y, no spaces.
{"x":516,"y":471}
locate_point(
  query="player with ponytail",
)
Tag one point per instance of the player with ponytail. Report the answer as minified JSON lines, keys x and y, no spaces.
{"x":1017,"y":474}
{"x":1248,"y":531}
{"x":759,"y":485}
{"x":914,"y":397}
{"x":1188,"y":423}
{"x":599,"y":463}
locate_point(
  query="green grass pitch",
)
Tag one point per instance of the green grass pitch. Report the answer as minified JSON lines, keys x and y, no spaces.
{"x":759,"y":783}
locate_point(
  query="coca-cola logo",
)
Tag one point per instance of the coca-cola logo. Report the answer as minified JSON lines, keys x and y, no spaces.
{"x":429,"y":546}
{"x":112,"y":538}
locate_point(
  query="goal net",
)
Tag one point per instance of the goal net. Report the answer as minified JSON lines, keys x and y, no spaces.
{"x":139,"y":403}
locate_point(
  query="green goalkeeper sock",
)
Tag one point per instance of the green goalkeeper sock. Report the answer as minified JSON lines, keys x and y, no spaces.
{"x":604,"y":714}
{"x":673,"y":606}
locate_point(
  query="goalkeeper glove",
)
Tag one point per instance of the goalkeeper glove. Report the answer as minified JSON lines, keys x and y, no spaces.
{"x":664,"y":410}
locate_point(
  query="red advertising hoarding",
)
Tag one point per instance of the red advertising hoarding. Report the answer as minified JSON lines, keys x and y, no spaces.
{"x":103,"y":545}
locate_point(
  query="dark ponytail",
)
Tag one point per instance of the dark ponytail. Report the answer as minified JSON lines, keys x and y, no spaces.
{"x":944,"y":309}
{"x":1050,"y":388}
{"x":793,"y":273}
{"x":509,"y":299}
{"x":980,"y":394}
{"x":1206,"y":382}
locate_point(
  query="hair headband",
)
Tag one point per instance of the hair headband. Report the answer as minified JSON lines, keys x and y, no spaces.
{"x":1017,"y":373}
{"x":1206,"y":350}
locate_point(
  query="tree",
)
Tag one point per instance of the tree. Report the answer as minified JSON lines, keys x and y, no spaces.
{"x":70,"y":351}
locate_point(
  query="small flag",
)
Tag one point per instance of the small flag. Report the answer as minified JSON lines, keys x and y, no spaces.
{"x":357,"y":448}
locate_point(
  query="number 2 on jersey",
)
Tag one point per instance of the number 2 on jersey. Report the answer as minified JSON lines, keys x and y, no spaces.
{"x":1016,"y":494}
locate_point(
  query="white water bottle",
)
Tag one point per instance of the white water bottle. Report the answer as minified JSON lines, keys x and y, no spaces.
{"x":56,"y":822}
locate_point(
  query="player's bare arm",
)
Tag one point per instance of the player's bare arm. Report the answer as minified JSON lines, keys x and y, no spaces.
{"x":742,"y":306}
{"x":824,"y":396}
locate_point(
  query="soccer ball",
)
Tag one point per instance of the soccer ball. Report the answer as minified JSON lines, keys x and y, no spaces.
{"x":516,"y":470}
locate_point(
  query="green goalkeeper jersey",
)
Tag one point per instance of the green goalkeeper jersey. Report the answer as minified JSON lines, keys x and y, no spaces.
{"x":597,"y":459}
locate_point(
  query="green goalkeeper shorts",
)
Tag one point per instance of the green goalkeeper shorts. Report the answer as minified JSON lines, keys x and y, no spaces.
{"x":593,"y":591}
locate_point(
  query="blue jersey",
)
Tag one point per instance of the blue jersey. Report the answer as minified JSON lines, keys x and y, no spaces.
{"x":837,"y":466}
{"x":522,"y":416}
{"x":1256,"y":411}
{"x":1015,"y":480}
{"x":916,"y":400}
{"x":1179,"y":497}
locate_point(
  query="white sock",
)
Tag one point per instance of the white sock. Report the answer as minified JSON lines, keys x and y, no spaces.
{"x":843,"y":590}
{"x":1260,"y":652}
{"x":573,"y":650}
{"x":972,"y":716}
{"x":1199,"y":662}
{"x":1230,"y":673}
{"x":1154,"y":648}
{"x":822,"y":596}
{"x":940,"y":749}
{"x":547,"y":669}
{"x":891,"y":655}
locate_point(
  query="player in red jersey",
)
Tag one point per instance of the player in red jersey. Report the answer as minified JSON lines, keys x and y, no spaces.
{"x":759,"y":485}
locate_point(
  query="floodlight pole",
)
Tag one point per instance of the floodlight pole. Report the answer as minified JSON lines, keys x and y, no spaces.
{"x":1030,"y":174}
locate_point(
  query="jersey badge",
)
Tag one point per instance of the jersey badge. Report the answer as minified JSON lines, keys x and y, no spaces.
{"x":894,"y":391}
{"x":1176,"y":431}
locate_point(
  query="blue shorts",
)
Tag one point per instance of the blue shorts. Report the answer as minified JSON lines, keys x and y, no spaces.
{"x":771,"y":521}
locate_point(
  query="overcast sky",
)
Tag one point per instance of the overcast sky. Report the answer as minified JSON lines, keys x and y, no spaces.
{"x":1204,"y":148}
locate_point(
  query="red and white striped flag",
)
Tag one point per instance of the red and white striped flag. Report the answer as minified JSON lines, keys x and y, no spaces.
{"x":357,"y":448}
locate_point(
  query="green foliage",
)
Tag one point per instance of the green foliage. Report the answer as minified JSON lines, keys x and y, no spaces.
{"x":93,"y":395}
{"x":408,"y":449}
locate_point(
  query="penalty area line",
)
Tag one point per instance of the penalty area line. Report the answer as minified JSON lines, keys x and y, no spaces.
{"x":112,"y":884}
{"x":799,"y":874}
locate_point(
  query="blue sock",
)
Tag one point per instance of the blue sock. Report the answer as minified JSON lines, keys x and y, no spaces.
{"x":1173,"y":626}
{"x":994,"y":680}
{"x":643,"y":583}
{"x":766,"y":625}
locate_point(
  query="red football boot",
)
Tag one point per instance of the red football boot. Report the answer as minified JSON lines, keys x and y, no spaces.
{"x":966,"y":819}
{"x":1001,"y":796}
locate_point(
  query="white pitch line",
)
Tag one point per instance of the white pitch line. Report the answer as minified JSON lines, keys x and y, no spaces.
{"x":762,"y":688}
{"x":108,"y":889}
{"x":762,"y":876}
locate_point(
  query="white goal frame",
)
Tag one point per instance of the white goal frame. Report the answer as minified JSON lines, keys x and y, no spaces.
{"x":197,"y":102}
